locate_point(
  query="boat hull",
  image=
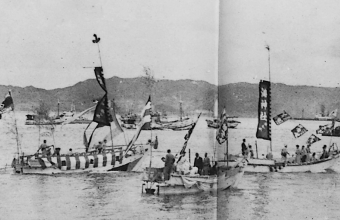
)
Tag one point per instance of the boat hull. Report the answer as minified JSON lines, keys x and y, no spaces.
{"x":73,"y":165}
{"x":186,"y":184}
{"x":266,"y":166}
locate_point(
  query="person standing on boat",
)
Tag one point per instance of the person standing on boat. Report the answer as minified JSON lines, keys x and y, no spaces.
{"x":324,"y":153}
{"x":244,"y":147}
{"x":298,"y":155}
{"x":168,"y":163}
{"x":43,"y":147}
{"x":198,"y":163}
{"x":206,"y":165}
{"x":251,"y":152}
{"x":308,"y":153}
{"x":284,"y":153}
{"x":303,"y":154}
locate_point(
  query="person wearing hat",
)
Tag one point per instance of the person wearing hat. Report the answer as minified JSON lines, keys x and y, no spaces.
{"x":324,"y":153}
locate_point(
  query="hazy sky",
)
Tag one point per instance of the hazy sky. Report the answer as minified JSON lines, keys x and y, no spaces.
{"x":304,"y":37}
{"x":47,"y":43}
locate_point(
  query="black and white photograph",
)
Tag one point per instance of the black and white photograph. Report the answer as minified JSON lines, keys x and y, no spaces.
{"x":169,"y":109}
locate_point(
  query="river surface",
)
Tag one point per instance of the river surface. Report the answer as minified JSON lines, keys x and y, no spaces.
{"x":118,"y":195}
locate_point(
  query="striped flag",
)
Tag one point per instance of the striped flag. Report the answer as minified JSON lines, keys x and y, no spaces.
{"x":146,"y":118}
{"x":222,"y":134}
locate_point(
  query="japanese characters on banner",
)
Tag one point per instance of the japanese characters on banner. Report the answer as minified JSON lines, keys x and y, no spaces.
{"x":264,"y":118}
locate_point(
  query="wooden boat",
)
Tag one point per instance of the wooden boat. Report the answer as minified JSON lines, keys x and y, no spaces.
{"x":192,"y":184}
{"x":106,"y":126}
{"x":76,"y":163}
{"x":271,"y":165}
{"x":265,"y":165}
{"x":215,"y":123}
{"x":180,"y":183}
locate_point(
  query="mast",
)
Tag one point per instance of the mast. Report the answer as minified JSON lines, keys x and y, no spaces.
{"x":180,"y":108}
{"x":58,"y":107}
{"x":268,"y":48}
{"x":96,"y":41}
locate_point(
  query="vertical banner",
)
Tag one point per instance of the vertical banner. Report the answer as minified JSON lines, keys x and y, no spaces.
{"x":264,"y":118}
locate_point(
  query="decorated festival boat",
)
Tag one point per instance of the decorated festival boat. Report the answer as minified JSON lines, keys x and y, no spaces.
{"x":279,"y":165}
{"x":192,"y":182}
{"x":95,"y":158}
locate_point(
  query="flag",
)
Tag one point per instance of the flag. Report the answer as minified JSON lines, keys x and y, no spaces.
{"x":146,"y":118}
{"x":187,"y":136}
{"x":146,"y":112}
{"x":264,"y":123}
{"x":299,"y":130}
{"x":222,"y":134}
{"x":98,"y":71}
{"x":7,"y":105}
{"x":323,"y":128}
{"x":312,"y":139}
{"x":115,"y":129}
{"x":283,"y":117}
{"x":102,"y":113}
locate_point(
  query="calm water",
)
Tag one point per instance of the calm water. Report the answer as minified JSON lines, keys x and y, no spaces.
{"x":117,"y":195}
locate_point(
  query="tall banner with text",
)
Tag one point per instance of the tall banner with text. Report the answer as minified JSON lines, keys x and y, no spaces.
{"x":264,"y":118}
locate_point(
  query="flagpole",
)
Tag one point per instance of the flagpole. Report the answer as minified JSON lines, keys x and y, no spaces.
{"x":268,"y":48}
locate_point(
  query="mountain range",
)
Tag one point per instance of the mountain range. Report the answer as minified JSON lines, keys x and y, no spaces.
{"x":131,"y":94}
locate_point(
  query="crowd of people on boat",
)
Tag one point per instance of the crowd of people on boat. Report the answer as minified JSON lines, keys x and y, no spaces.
{"x":303,"y":155}
{"x":46,"y":151}
{"x":182,"y":165}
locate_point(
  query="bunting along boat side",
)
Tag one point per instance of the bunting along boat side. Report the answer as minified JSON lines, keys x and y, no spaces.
{"x":96,"y":158}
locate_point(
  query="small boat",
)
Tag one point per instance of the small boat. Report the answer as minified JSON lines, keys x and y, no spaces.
{"x":178,"y":124}
{"x":192,"y":184}
{"x":215,"y":123}
{"x":129,"y":121}
{"x":189,"y":183}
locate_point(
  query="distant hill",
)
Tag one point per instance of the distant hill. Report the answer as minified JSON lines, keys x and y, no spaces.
{"x":242,"y":99}
{"x":130,"y":94}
